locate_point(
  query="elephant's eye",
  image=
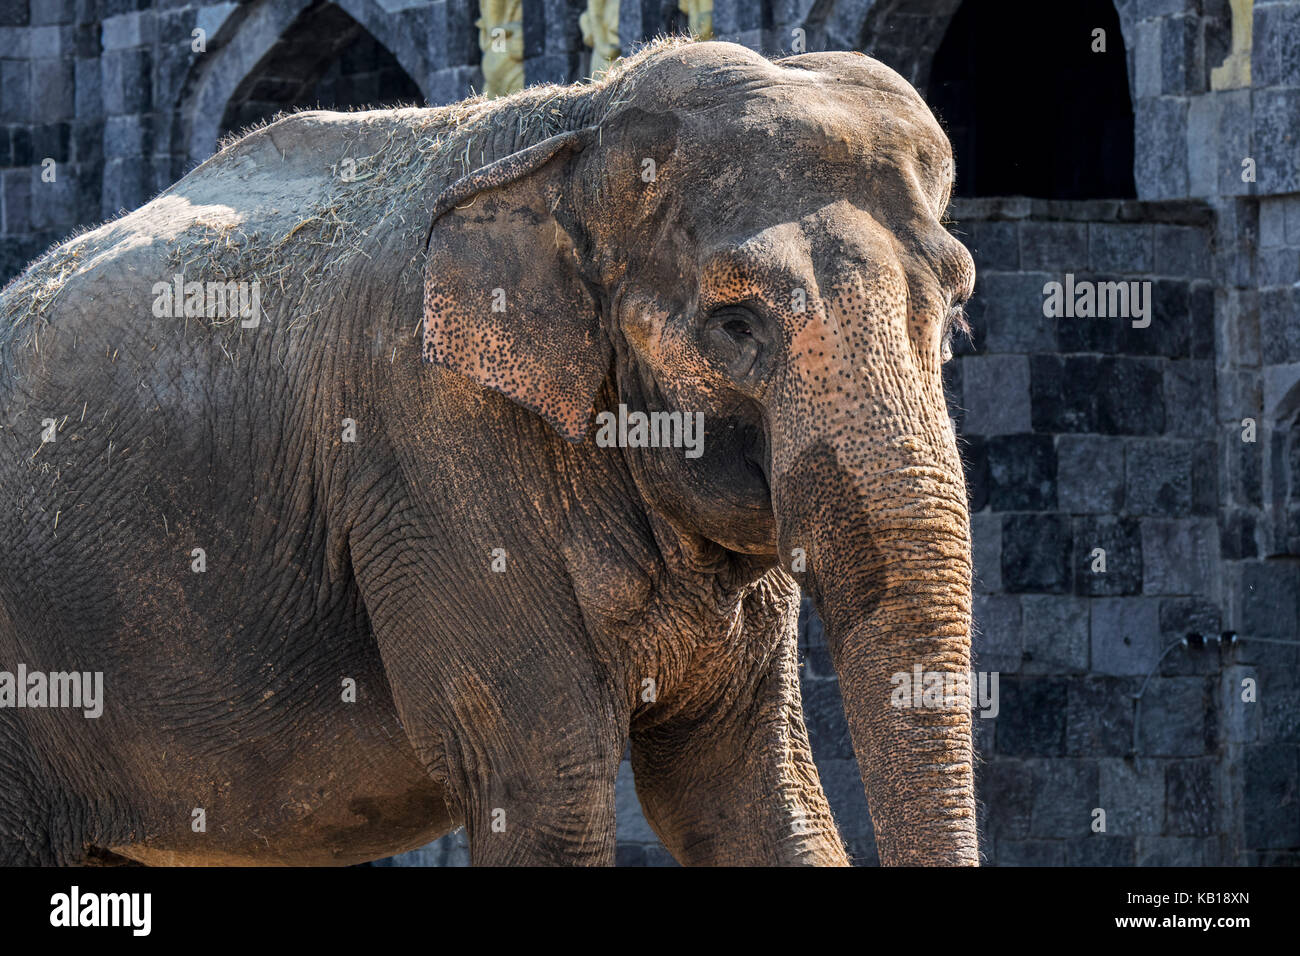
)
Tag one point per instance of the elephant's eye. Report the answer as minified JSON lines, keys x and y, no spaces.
{"x":740,"y":328}
{"x":733,"y":337}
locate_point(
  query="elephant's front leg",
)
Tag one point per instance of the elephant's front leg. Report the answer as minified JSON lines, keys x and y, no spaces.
{"x":736,"y":784}
{"x":538,"y":790}
{"x":510,"y":715}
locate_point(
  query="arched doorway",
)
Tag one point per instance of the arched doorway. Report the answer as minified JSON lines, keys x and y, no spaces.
{"x":324,"y":59}
{"x":1036,"y":101}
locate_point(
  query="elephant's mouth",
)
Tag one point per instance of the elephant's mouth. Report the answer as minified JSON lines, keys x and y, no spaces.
{"x":756,"y":460}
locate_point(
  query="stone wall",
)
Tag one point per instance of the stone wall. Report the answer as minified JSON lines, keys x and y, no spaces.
{"x":1174,"y":448}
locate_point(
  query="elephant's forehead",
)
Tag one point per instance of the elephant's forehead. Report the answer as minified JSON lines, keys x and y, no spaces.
{"x":776,"y":143}
{"x":834,"y":118}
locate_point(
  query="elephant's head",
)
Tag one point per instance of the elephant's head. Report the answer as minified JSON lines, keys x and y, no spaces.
{"x":761,"y":242}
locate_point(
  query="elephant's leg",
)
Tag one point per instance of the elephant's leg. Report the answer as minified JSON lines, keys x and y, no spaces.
{"x":509,"y":712}
{"x":37,"y":826}
{"x":527,"y":755}
{"x":543,"y":803}
{"x":736,"y":785}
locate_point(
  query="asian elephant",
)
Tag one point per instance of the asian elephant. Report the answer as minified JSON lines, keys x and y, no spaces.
{"x":395,"y":471}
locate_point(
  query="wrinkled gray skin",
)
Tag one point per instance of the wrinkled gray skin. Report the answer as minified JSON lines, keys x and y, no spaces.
{"x":784,"y":271}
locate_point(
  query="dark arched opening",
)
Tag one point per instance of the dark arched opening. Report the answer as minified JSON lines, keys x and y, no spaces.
{"x":325,"y":60}
{"x":1033,"y":109}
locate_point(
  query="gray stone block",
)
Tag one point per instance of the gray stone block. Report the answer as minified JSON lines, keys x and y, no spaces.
{"x":1121,"y":541}
{"x":127,"y":137}
{"x":657,"y":855}
{"x":1133,"y":795}
{"x":1021,"y":472}
{"x":1275,"y":53}
{"x":1291,"y":212}
{"x":54,"y":205}
{"x":127,"y":81}
{"x":1011,"y":316}
{"x":1160,"y":166}
{"x":1234,"y":142}
{"x":996,"y":642}
{"x":1279,"y":707}
{"x":1032,"y":716}
{"x":1100,"y":850}
{"x":126,"y":185}
{"x":1172,"y":851}
{"x":1054,"y":634}
{"x":814,"y":656}
{"x":996,"y":394}
{"x":1276,"y":147}
{"x":1240,"y":718}
{"x":986,"y":549}
{"x":1191,"y":798}
{"x":1089,"y":474}
{"x":1189,"y":399}
{"x":1182,"y":251}
{"x":1006,"y":790}
{"x":88,"y":83}
{"x":15,"y":91}
{"x":1030,"y":853}
{"x":1118,"y":409}
{"x":45,"y":42}
{"x":128,"y":30}
{"x":1272,"y":222}
{"x":1180,"y":556}
{"x":54,"y":11}
{"x":1148,"y":78}
{"x":1270,"y":780}
{"x":995,"y":246}
{"x":1054,"y":246}
{"x":1099,"y":716}
{"x":1268,"y":599}
{"x":1064,"y":803}
{"x":1120,"y":247}
{"x":1036,"y":553}
{"x":629,"y":854}
{"x":1125,"y":635}
{"x":1279,"y":266}
{"x":15,"y":200}
{"x":1279,"y":332}
{"x":1158,"y":478}
{"x":1175,"y":717}
{"x":1203,"y":146}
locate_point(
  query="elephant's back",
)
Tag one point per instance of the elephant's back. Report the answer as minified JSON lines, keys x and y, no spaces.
{"x":281,"y":206}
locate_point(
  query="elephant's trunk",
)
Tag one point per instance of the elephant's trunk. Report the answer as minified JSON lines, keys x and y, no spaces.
{"x":889,"y":561}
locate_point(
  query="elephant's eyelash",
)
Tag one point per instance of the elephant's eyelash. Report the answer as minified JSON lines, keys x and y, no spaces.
{"x":956,"y":321}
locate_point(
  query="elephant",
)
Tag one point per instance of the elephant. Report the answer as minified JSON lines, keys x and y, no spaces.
{"x":357,"y":469}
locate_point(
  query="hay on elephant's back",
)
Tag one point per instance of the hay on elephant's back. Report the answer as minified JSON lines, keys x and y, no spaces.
{"x":425,"y":150}
{"x":30,"y":295}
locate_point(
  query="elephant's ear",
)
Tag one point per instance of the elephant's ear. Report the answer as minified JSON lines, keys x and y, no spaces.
{"x":505,"y":302}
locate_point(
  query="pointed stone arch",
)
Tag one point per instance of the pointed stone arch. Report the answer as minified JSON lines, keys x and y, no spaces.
{"x":248,"y":39}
